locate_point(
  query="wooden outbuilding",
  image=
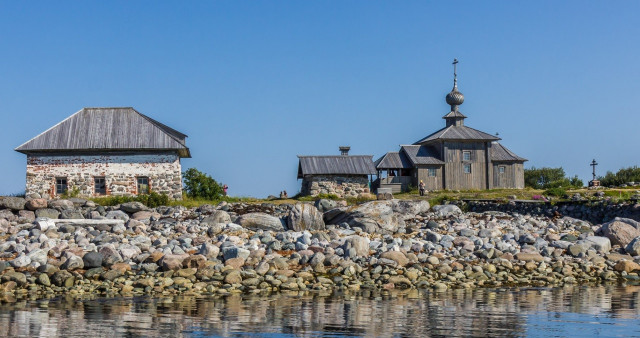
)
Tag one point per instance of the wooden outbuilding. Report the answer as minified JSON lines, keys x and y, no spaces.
{"x":341,"y":175}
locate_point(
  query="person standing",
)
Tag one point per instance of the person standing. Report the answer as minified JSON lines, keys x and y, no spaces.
{"x":421,"y":187}
{"x":224,"y":189}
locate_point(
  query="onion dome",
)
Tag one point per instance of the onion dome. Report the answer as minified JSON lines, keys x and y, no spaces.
{"x":455,"y":98}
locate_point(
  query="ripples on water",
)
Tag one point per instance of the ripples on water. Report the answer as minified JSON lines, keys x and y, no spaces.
{"x":576,"y":311}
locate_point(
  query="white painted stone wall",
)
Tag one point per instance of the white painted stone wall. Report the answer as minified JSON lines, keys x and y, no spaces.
{"x":120,"y":173}
{"x":342,"y":186}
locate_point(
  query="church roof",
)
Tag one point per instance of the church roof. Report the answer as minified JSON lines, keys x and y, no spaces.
{"x":394,"y":160}
{"x":458,"y":133}
{"x":107,"y":129}
{"x":454,"y":113}
{"x":336,"y":165}
{"x":500,"y":153}
{"x":420,"y":154}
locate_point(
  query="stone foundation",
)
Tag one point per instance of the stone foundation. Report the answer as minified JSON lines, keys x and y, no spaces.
{"x":119,"y":171}
{"x":342,"y":186}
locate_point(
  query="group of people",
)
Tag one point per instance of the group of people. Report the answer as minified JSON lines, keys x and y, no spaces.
{"x":283,"y":194}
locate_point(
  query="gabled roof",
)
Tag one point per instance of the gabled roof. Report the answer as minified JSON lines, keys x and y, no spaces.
{"x":107,"y":129}
{"x":458,"y":133}
{"x":500,"y":153}
{"x":394,"y":160}
{"x":336,"y":165}
{"x":420,"y":154}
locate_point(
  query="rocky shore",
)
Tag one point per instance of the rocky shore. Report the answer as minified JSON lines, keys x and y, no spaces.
{"x":74,"y":247}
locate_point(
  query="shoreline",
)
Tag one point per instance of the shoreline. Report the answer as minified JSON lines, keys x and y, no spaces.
{"x":241,"y":248}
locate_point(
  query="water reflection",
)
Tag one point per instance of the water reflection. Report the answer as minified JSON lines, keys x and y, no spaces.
{"x":605,"y":310}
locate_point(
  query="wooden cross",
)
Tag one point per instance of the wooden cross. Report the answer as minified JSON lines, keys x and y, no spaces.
{"x":594,"y":164}
{"x":455,"y":63}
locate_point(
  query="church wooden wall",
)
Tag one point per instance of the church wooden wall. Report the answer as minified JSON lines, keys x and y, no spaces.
{"x":431,"y":183}
{"x":454,"y":176}
{"x":512,"y":178}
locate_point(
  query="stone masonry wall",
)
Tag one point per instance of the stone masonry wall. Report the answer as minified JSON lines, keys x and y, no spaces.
{"x":120,"y":173}
{"x":342,"y":186}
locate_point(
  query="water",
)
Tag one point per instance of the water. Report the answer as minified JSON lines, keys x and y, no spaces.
{"x":570,"y":311}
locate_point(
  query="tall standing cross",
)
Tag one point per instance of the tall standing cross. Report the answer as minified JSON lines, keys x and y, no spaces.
{"x":594,"y":164}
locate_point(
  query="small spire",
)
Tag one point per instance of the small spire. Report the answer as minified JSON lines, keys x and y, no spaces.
{"x":455,"y":75}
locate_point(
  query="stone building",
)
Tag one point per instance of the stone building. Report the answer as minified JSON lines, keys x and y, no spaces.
{"x":106,"y":151}
{"x":455,"y":157}
{"x":342,"y":175}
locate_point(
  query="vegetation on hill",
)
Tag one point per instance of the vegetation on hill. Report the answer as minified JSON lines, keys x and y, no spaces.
{"x":548,"y":178}
{"x":623,"y":176}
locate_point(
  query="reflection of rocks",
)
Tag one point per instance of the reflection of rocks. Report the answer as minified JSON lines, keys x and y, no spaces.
{"x":480,"y":312}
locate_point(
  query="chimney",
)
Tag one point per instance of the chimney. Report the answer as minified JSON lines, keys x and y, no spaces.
{"x":344,"y":150}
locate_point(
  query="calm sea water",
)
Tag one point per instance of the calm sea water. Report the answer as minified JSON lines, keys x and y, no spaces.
{"x":573,"y":311}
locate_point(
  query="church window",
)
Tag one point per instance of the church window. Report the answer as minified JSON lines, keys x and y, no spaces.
{"x":466,"y":155}
{"x":431,"y":172}
{"x":467,"y":168}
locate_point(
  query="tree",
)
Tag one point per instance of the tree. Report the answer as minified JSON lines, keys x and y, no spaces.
{"x":624,"y":175}
{"x":546,"y":178}
{"x":200,"y":185}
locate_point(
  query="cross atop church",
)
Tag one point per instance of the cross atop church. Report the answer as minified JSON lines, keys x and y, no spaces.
{"x":594,"y":164}
{"x":455,"y":76}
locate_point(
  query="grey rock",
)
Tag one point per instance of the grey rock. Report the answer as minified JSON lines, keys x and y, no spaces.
{"x":324,"y":205}
{"x":359,"y":244}
{"x":446,"y":210}
{"x":20,"y":261}
{"x":47,"y":213}
{"x":370,"y":217}
{"x":260,"y":221}
{"x":209,"y":250}
{"x":72,"y":263}
{"x":633,"y":248}
{"x":620,"y":233}
{"x":13,"y":203}
{"x":235,"y":252}
{"x":133,"y":207}
{"x":61,"y":205}
{"x":217,"y":217}
{"x":92,"y":260}
{"x":39,"y":256}
{"x":304,"y":216}
{"x":117,"y":214}
{"x":71,"y":214}
{"x":602,"y":244}
{"x":410,"y":207}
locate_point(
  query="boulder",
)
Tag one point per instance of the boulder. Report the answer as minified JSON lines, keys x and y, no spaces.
{"x":117,"y":214}
{"x":626,"y":266}
{"x":13,"y":203}
{"x":633,"y":248}
{"x":360,"y":244}
{"x":47,"y":213}
{"x":133,"y":207}
{"x":72,"y":263}
{"x":36,"y":203}
{"x":172,"y":262}
{"x":620,"y":233}
{"x":396,"y":256}
{"x":209,"y":250}
{"x":446,"y":210}
{"x":61,"y":205}
{"x":39,"y":256}
{"x":601,"y":244}
{"x":71,"y":214}
{"x":305,"y":217}
{"x":260,"y":221}
{"x":324,"y":205}
{"x":371,"y":217}
{"x":411,"y":208}
{"x":527,"y":256}
{"x":92,"y":260}
{"x":234,"y":252}
{"x":216,"y":217}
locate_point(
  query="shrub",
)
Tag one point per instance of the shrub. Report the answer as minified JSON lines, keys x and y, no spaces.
{"x":546,"y":178}
{"x":151,"y":200}
{"x":556,"y":192}
{"x":624,"y":175}
{"x":200,"y":185}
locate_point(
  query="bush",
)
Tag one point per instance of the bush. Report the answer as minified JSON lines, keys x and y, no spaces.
{"x":151,"y":200}
{"x":556,"y":192}
{"x":200,"y":185}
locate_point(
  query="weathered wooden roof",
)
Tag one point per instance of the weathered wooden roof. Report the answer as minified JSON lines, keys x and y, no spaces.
{"x":454,"y":113}
{"x":419,"y":154}
{"x":458,"y":133}
{"x":107,"y":129}
{"x":336,"y":165}
{"x":393,"y":160}
{"x":500,"y":153}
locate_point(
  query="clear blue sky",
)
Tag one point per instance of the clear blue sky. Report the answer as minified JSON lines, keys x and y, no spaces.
{"x":255,"y":83}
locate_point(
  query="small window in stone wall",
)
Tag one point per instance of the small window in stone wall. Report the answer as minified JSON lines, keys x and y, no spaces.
{"x":339,"y":181}
{"x":143,"y":185}
{"x":100,"y":186}
{"x":61,"y":185}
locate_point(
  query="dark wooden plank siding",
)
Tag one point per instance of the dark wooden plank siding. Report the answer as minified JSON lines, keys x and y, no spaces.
{"x":454,"y":166}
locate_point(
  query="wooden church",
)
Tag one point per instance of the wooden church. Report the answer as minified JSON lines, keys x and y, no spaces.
{"x":456,"y":157}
